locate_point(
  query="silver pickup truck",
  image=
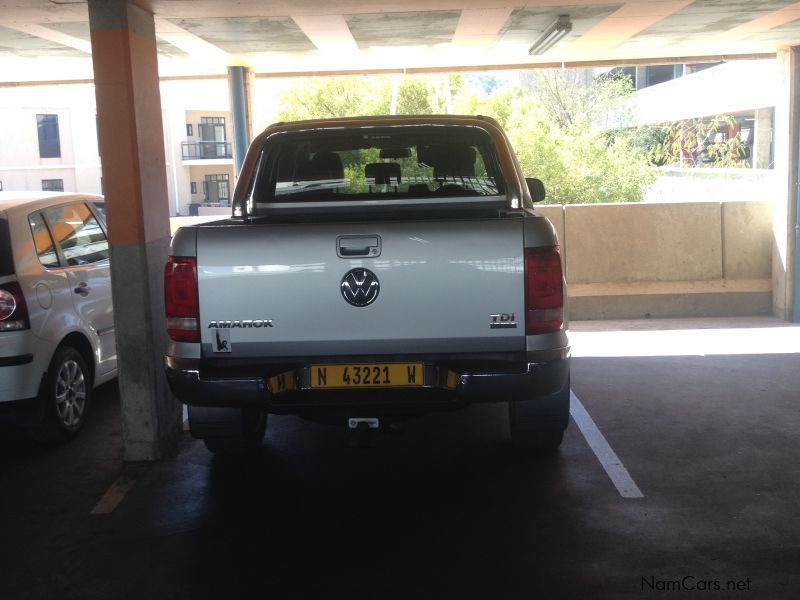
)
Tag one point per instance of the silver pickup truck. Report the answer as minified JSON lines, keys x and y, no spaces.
{"x":373,"y":269}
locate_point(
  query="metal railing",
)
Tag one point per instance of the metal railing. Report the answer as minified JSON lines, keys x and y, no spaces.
{"x":206,"y":150}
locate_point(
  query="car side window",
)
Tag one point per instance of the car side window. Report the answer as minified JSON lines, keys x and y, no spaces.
{"x":45,"y":249}
{"x":100,"y":209}
{"x":78,"y":234}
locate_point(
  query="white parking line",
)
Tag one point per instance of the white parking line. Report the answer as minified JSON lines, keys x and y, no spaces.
{"x":113,"y":495}
{"x":613,"y":466}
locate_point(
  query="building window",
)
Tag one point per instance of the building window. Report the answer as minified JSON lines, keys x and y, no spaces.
{"x":49,"y":142}
{"x":52,"y":185}
{"x":1,"y":186}
{"x":213,"y":138}
{"x":659,"y":74}
{"x":189,"y":130}
{"x":217,"y":190}
{"x":194,"y":187}
{"x":212,"y":129}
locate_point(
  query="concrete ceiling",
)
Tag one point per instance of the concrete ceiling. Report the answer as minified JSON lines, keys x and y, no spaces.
{"x":48,"y":39}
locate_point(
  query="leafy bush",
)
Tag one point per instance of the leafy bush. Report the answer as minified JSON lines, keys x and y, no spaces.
{"x":550,"y":116}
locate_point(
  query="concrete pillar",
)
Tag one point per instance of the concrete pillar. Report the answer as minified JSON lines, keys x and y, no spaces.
{"x":239,"y":84}
{"x":784,"y":216}
{"x":762,"y":138}
{"x":134,"y":177}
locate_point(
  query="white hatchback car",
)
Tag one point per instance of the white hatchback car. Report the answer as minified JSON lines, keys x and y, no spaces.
{"x":56,"y":318}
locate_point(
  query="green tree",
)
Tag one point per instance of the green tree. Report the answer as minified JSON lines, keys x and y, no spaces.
{"x":553,"y":119}
{"x":327,"y":97}
{"x":714,"y":142}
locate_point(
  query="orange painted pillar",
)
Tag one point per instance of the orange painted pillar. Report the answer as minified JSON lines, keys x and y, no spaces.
{"x":135,"y":185}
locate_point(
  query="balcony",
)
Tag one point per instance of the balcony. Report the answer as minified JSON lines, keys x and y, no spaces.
{"x":206,"y":150}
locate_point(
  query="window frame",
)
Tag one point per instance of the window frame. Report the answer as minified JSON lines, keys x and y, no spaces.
{"x":56,"y":249}
{"x":264,"y":181}
{"x":216,"y":179}
{"x":62,"y":259}
{"x":41,"y":127}
{"x":44,"y":189}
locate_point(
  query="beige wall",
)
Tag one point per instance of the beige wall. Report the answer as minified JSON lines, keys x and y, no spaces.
{"x":665,"y":260}
{"x":21,"y":167}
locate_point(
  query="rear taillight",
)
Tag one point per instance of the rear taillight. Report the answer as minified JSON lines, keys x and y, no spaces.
{"x":544,"y":290}
{"x":13,"y":310}
{"x":180,"y":294}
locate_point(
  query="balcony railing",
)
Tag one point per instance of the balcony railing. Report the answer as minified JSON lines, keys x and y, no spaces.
{"x":206,"y":150}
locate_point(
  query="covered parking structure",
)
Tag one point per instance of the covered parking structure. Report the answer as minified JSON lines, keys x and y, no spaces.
{"x":125,"y":46}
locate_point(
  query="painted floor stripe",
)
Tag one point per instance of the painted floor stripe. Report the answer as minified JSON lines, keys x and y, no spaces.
{"x":613,"y":466}
{"x":113,"y":495}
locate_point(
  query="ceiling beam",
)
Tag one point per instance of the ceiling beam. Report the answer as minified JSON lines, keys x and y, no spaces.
{"x":480,"y":26}
{"x":785,"y":15}
{"x":50,"y":35}
{"x":194,"y":46}
{"x":624,"y":23}
{"x":329,"y":33}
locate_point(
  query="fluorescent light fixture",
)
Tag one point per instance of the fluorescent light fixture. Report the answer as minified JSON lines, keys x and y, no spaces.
{"x":554,"y":32}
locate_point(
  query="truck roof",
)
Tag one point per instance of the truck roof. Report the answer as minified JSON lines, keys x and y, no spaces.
{"x":378,"y":120}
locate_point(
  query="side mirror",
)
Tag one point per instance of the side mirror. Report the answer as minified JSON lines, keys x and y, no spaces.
{"x":536,"y":188}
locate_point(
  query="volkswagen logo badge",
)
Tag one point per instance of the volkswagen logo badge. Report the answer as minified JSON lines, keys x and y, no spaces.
{"x":360,"y":287}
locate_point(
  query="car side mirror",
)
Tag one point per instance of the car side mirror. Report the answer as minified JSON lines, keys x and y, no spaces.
{"x":536,"y":188}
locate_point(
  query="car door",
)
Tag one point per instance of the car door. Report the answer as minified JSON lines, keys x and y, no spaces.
{"x":83,"y":252}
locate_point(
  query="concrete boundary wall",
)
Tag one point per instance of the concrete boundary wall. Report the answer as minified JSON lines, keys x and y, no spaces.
{"x":692,"y":259}
{"x":666,"y":260}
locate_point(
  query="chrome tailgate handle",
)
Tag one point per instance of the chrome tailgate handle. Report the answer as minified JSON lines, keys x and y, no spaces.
{"x":349,"y":246}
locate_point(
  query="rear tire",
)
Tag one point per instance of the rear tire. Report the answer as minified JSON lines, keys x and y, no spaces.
{"x":539,"y":424}
{"x":66,"y":396}
{"x":254,"y":426}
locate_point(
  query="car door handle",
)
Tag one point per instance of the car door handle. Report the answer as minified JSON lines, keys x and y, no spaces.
{"x":82,"y":289}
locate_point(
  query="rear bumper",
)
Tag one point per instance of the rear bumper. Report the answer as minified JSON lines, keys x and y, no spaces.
{"x":23,"y":361}
{"x":544,"y":373}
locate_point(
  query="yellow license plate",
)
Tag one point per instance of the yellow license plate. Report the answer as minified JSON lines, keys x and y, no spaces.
{"x":367,"y":375}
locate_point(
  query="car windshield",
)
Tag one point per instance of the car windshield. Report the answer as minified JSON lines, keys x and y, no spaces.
{"x":402,"y":163}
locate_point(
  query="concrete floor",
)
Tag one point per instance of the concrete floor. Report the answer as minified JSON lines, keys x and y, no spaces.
{"x":445,"y":509}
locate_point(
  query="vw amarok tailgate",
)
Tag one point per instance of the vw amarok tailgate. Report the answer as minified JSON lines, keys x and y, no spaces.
{"x":354,"y":289}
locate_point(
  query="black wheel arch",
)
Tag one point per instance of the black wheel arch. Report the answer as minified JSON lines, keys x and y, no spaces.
{"x":83,"y":346}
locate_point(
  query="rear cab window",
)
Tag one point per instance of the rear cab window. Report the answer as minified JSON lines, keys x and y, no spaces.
{"x":401,"y":165}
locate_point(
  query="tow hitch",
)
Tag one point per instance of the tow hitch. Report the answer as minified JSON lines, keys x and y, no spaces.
{"x":361,"y":429}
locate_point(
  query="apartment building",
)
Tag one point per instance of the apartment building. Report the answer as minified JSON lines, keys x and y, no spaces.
{"x":50,"y":142}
